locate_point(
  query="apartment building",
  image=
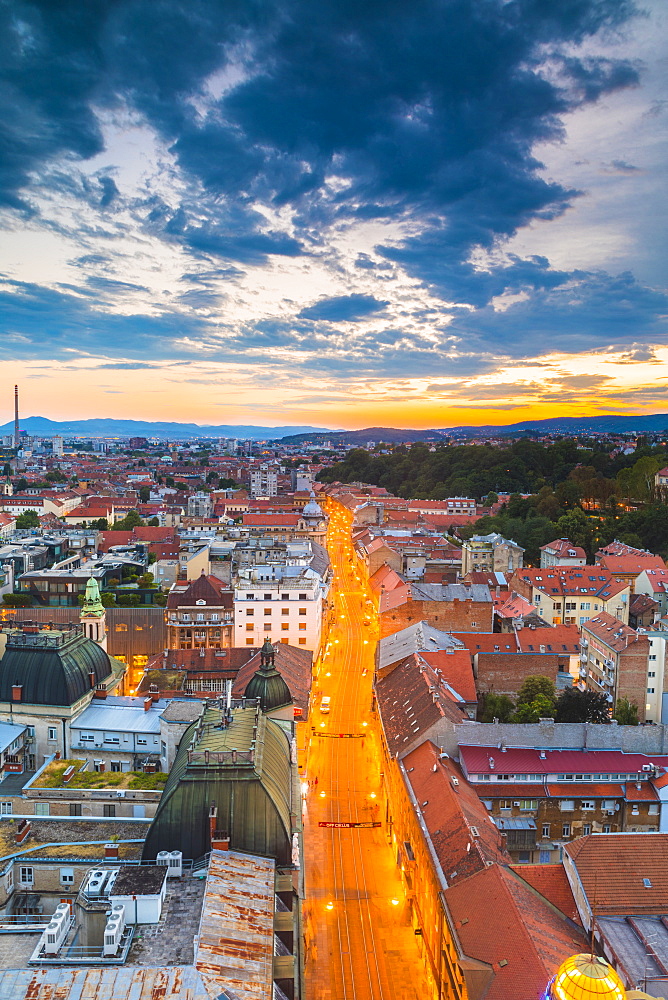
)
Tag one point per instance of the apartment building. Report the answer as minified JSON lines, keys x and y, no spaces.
{"x":282,"y":603}
{"x":571,"y":595}
{"x":200,"y":614}
{"x":263,"y":481}
{"x":491,"y":554}
{"x":615,"y":662}
{"x":541,"y":799}
{"x":561,"y":552}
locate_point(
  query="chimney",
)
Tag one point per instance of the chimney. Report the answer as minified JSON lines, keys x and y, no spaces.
{"x":91,"y":678}
{"x":22,"y":831}
{"x":111,"y":852}
{"x":213,"y":816}
{"x":17,"y":692}
{"x":16,"y":417}
{"x":220,"y":841}
{"x":147,"y":703}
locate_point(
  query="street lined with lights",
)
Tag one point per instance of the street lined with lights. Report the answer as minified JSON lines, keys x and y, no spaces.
{"x":359,"y":941}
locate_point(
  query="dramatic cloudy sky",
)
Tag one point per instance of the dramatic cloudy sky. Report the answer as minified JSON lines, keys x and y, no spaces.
{"x":340,"y":212}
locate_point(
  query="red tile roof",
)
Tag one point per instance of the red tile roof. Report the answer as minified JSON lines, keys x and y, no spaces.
{"x":208,"y":591}
{"x":612,"y":868}
{"x":528,"y":760}
{"x":455,"y":668}
{"x":559,"y":581}
{"x":499,"y":919}
{"x":464,"y":837}
{"x":270,"y":520}
{"x":551,"y":882}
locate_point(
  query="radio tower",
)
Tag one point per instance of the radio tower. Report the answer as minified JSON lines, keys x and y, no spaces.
{"x":16,"y":416}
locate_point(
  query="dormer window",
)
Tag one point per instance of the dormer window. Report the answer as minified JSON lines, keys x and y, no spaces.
{"x":200,"y":602}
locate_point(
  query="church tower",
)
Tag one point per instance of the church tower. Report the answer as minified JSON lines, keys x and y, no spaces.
{"x":93,"y":615}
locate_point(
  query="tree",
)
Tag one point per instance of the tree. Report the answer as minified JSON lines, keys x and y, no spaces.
{"x":130,"y":521}
{"x":154,"y":522}
{"x":144,"y":493}
{"x":17,"y":600}
{"x":542,"y":707}
{"x":101,"y":524}
{"x":55,"y":476}
{"x":574,"y":705}
{"x":146,"y":580}
{"x":29,"y":519}
{"x":108,"y":600}
{"x":533,"y":686}
{"x":152,"y":557}
{"x":128,"y":600}
{"x":495,"y":706}
{"x":626,"y":712}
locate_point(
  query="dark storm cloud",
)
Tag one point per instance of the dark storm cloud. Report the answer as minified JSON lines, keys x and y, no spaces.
{"x":425,"y":111}
{"x":343,"y":308}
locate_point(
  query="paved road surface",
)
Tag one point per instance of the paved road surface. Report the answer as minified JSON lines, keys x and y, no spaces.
{"x":359,"y":942}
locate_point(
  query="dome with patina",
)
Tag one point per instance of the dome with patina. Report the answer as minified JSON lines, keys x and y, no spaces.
{"x":267,"y":682}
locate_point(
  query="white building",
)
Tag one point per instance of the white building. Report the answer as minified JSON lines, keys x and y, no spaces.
{"x":200,"y":505}
{"x":118,"y":734}
{"x":282,"y":603}
{"x":263,"y":482}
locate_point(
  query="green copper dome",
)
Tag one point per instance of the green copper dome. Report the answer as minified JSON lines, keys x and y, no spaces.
{"x":267,"y":683}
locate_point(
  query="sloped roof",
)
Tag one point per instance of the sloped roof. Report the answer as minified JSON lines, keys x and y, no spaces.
{"x":464,"y":837}
{"x":394,"y":648}
{"x":551,"y":882}
{"x":612,"y":868}
{"x":209,"y":589}
{"x":526,"y":934}
{"x":407,"y":705}
{"x":533,"y":760}
{"x":456,"y":668}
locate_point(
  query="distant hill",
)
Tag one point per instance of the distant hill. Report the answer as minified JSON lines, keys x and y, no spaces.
{"x":107,"y":427}
{"x":390,"y":435}
{"x":640,"y":424}
{"x":43,"y":427}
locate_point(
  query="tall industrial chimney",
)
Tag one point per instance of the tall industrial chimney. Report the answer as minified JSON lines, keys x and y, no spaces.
{"x":16,"y":416}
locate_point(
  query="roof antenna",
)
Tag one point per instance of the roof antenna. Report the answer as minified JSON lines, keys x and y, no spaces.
{"x":593,"y":919}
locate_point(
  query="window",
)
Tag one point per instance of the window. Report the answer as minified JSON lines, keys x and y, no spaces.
{"x":250,"y":628}
{"x":66,"y":876}
{"x":87,"y":738}
{"x":303,"y":597}
{"x":27,"y":876}
{"x":652,"y":656}
{"x":41,"y":809}
{"x":75,"y":809}
{"x":250,"y":612}
{"x":546,"y":829}
{"x":566,"y":830}
{"x":302,"y":626}
{"x":588,"y":804}
{"x":52,"y":733}
{"x":650,"y":690}
{"x":606,"y":828}
{"x":285,"y":611}
{"x":567,"y":805}
{"x":527,"y":804}
{"x":142,"y":741}
{"x":267,"y":611}
{"x":108,"y":809}
{"x":474,"y":624}
{"x":285,"y":597}
{"x":544,"y":857}
{"x":163,"y":748}
{"x":285,"y":626}
{"x":586,"y":606}
{"x":5,"y":808}
{"x":586,"y":829}
{"x":651,"y":673}
{"x":267,"y":597}
{"x":214,"y":618}
{"x":302,"y":611}
{"x":250,"y":642}
{"x":285,"y":641}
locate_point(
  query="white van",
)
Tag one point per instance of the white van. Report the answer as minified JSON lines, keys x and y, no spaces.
{"x":324,"y":704}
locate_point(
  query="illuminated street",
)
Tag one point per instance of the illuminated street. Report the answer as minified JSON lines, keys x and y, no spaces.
{"x":359,"y":941}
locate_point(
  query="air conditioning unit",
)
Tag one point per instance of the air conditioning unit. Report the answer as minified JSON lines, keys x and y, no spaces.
{"x":610,"y":812}
{"x":516,"y":804}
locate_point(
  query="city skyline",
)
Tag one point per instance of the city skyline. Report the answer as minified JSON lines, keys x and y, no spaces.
{"x":343,"y":217}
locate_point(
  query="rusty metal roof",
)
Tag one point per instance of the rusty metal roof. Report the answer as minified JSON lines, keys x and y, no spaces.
{"x":236,"y":935}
